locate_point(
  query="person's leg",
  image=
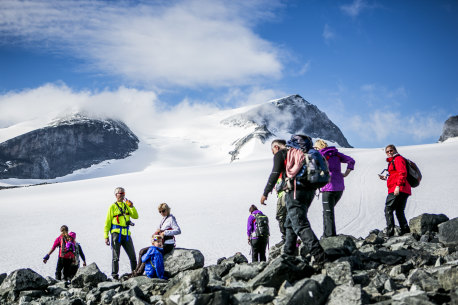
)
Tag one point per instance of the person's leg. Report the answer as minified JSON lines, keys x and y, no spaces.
{"x":262,"y":249}
{"x":67,"y":262}
{"x":328,"y":214}
{"x":289,"y":247}
{"x":141,"y":266}
{"x":389,"y":208}
{"x":254,"y":250}
{"x":400,"y":206}
{"x":115,"y":251}
{"x":281,"y":215}
{"x":168,"y":248}
{"x":128,"y":246}
{"x":297,"y":213}
{"x":59,"y":267}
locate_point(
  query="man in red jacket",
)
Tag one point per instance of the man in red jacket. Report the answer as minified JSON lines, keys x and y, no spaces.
{"x":398,"y":191}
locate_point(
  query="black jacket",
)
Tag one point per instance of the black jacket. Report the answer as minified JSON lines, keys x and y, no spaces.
{"x":279,"y":167}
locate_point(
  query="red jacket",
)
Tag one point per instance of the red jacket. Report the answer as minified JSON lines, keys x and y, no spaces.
{"x":398,"y":175}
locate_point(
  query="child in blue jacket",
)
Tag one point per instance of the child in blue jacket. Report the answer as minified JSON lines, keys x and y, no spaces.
{"x":153,"y":259}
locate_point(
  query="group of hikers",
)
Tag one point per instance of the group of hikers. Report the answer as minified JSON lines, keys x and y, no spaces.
{"x":300,"y":168}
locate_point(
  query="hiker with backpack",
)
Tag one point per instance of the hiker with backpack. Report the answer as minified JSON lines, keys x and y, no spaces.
{"x":154,"y":260}
{"x":78,"y":254}
{"x":275,"y":180}
{"x":332,"y":192}
{"x":66,"y":245}
{"x":168,"y":227}
{"x":399,"y":190}
{"x":258,"y":234}
{"x":306,"y":170}
{"x":118,"y":225}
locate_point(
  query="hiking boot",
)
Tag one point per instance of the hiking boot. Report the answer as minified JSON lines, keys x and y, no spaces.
{"x":390,"y":231}
{"x":281,"y":243}
{"x":404,"y":230}
{"x":115,"y":277}
{"x":319,"y":260}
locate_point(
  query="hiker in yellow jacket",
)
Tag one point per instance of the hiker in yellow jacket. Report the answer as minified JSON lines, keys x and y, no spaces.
{"x":118,"y":224}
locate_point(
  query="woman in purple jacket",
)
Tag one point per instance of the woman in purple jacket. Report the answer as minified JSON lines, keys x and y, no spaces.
{"x":255,"y":239}
{"x":332,"y":192}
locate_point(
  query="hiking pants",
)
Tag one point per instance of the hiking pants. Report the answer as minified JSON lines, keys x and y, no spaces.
{"x":258,"y":249}
{"x":396,"y":204}
{"x":330,"y":200}
{"x":65,"y":265}
{"x":297,"y":223}
{"x":141,"y":266}
{"x":281,"y":215}
{"x":128,"y":246}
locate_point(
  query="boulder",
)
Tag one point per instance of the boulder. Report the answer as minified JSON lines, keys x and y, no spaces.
{"x":283,"y":268}
{"x":426,"y":222}
{"x":309,"y":291}
{"x":183,"y":259}
{"x":147,"y":285}
{"x":237,"y":258}
{"x":340,"y":272}
{"x":2,"y":277}
{"x":22,"y":279}
{"x":348,"y":295}
{"x":423,"y":279}
{"x":246,"y":271}
{"x":447,"y":276}
{"x":89,"y":275}
{"x":337,"y":246}
{"x":193,"y":282}
{"x":448,"y":232}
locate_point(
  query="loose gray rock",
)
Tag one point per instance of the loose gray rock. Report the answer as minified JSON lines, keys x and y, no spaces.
{"x":306,"y":291}
{"x":340,"y":272}
{"x":426,"y":222}
{"x":183,"y":259}
{"x":194,"y":282}
{"x":246,"y":271}
{"x":348,"y":295}
{"x":448,"y":232}
{"x":337,"y":246}
{"x":237,"y":258}
{"x":2,"y":277}
{"x":22,"y":279}
{"x":89,"y":275}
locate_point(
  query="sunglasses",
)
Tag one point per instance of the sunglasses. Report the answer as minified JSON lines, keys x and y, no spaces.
{"x":162,"y":211}
{"x":121,"y":193}
{"x":157,"y":239}
{"x":390,"y":151}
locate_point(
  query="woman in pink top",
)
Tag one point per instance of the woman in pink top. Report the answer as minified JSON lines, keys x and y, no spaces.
{"x":66,"y":246}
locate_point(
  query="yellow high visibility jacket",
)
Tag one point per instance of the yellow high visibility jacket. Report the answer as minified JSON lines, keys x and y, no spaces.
{"x":113,"y":211}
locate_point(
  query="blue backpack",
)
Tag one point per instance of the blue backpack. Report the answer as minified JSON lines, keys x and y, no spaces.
{"x":315,"y":170}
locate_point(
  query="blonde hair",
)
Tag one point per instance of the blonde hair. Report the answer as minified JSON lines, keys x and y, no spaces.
{"x":320,"y":144}
{"x":163,"y":206}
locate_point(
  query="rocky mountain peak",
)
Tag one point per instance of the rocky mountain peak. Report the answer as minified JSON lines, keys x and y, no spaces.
{"x":450,"y":129}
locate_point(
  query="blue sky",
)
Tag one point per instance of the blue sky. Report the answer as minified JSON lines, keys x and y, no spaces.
{"x":383,"y":71}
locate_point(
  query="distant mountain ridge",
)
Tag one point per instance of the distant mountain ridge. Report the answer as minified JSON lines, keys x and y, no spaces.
{"x":64,"y":146}
{"x":292,"y":114}
{"x":450,"y":129}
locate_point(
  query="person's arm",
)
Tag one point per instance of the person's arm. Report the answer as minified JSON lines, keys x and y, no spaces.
{"x":250,"y":226}
{"x":401,"y":169}
{"x":107,"y":227}
{"x":54,"y":246}
{"x":277,"y":169}
{"x":174,"y":228}
{"x":132,"y":210}
{"x":80,"y":249}
{"x":147,"y":255}
{"x":350,"y":163}
{"x":159,"y":264}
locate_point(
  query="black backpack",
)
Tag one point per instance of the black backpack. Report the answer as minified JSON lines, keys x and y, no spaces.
{"x":262,"y":225}
{"x":413,"y":172}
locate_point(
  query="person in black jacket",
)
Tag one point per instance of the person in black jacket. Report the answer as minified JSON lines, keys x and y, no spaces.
{"x":279,"y":151}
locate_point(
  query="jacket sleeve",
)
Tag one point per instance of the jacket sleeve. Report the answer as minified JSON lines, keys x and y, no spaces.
{"x":108,"y":221}
{"x":132,"y":212}
{"x":401,"y":169}
{"x":278,"y":168}
{"x":147,"y":255}
{"x":346,"y":159}
{"x":56,"y":243}
{"x":250,"y":225}
{"x":81,"y":252}
{"x":173,"y":228}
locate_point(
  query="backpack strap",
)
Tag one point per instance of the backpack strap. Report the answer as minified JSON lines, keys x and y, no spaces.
{"x":123,"y":213}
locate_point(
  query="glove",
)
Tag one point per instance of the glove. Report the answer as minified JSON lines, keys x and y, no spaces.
{"x":46,"y":257}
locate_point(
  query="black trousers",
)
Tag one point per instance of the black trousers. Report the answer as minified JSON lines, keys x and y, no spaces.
{"x":281,"y":215}
{"x":64,"y":265}
{"x":297,"y":223}
{"x":396,"y":204}
{"x":330,"y":200}
{"x":128,"y":246}
{"x":258,"y":249}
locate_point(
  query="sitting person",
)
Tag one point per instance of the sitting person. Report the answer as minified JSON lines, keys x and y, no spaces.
{"x":153,"y":259}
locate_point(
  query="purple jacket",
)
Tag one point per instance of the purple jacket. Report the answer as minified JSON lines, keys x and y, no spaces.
{"x":251,"y":224}
{"x":334,"y":158}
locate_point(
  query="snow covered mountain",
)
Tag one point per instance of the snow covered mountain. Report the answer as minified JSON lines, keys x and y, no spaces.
{"x":450,"y":129}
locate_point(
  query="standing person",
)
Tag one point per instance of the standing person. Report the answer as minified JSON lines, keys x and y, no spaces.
{"x":276,"y":178}
{"x":78,"y":254}
{"x":66,"y":254}
{"x":256,"y":238}
{"x":154,"y":260}
{"x":117,"y":223}
{"x":398,"y":191}
{"x":298,"y":202}
{"x":168,"y":227}
{"x":332,"y":192}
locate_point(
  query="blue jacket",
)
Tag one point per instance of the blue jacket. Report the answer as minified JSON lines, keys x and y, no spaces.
{"x":154,"y":267}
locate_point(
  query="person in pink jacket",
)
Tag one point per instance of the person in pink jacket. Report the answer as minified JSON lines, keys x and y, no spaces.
{"x":66,"y":245}
{"x":398,"y":190}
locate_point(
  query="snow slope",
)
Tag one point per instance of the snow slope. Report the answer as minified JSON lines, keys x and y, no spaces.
{"x":209,"y":196}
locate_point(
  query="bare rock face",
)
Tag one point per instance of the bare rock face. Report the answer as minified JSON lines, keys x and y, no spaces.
{"x":292,"y":114}
{"x":450,"y":129}
{"x":65,"y":146}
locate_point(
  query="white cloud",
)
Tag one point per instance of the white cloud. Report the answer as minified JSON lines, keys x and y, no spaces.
{"x":305,"y":68}
{"x":180,"y":43}
{"x":355,"y":8}
{"x":328,"y":33}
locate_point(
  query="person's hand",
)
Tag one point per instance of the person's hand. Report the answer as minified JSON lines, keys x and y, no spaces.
{"x":84,"y":264}
{"x":396,"y":190}
{"x":45,"y":259}
{"x":263,"y":199}
{"x":249,"y":241}
{"x":382,"y":177}
{"x":129,"y":203}
{"x":107,"y":241}
{"x":347,"y":172}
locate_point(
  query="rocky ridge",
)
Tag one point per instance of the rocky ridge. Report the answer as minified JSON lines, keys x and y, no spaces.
{"x":450,"y":129}
{"x":416,"y":268}
{"x":64,"y":146}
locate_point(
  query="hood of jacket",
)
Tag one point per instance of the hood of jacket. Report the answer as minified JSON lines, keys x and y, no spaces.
{"x":329,"y":151}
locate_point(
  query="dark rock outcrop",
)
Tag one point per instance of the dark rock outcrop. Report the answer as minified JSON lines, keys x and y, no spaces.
{"x":450,"y":129}
{"x":65,"y":146}
{"x":292,"y":114}
{"x":448,"y":232}
{"x":426,"y":223}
